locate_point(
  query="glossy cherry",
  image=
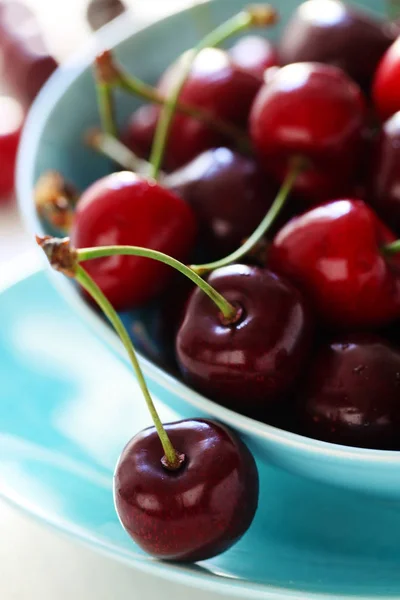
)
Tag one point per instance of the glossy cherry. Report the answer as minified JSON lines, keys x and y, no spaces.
{"x":336,"y":33}
{"x":254,"y":362}
{"x":334,"y":253}
{"x":314,"y":111}
{"x":351,"y":395}
{"x":212,"y":85}
{"x":385,"y":90}
{"x":197,"y":511}
{"x":384,"y":180}
{"x":11,"y":120}
{"x":254,"y":54}
{"x":229,"y":195}
{"x":125,"y":209}
{"x":27,"y":63}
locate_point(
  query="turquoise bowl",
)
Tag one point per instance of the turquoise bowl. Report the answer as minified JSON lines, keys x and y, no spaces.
{"x":53,"y":140}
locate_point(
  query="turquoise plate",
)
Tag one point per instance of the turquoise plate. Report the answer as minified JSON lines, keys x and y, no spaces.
{"x":68,"y":406}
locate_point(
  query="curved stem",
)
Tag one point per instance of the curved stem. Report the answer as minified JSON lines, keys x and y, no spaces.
{"x":114,"y":149}
{"x":105,"y":102}
{"x":261,"y":230}
{"x":227,"y":309}
{"x":172,"y":458}
{"x":391,"y":249}
{"x":236,"y":24}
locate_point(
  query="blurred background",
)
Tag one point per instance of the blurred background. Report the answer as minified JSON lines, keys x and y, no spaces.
{"x":36,"y":35}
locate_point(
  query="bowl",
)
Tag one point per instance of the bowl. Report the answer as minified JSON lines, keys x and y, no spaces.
{"x":52,"y":139}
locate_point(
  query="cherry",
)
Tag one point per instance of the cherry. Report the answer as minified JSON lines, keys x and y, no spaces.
{"x":254,"y":54}
{"x":334,"y":253}
{"x":385,"y":92}
{"x":197,"y":511}
{"x":314,"y":111}
{"x":101,"y":12}
{"x":123,"y":208}
{"x":330,"y":31}
{"x":229,"y":195}
{"x":27,"y":63}
{"x":384,"y":181}
{"x":213,"y":82}
{"x":351,"y":395}
{"x":11,"y":119}
{"x":252,"y":362}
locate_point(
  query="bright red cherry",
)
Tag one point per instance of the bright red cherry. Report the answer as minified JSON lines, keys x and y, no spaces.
{"x":124,"y":209}
{"x":385,"y":90}
{"x":330,"y":31}
{"x":333,"y":252}
{"x":254,"y":54}
{"x":215,"y":84}
{"x":11,"y":120}
{"x":27,"y":63}
{"x":251,"y":364}
{"x":351,"y":395}
{"x":229,"y":195}
{"x":384,"y":181}
{"x":193,"y":513}
{"x":314,"y":111}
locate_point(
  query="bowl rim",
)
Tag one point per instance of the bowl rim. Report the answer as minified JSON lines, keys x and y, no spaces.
{"x":60,"y":81}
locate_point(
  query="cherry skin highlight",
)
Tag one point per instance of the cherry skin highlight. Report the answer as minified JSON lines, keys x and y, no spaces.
{"x":251,"y":364}
{"x":197,"y":511}
{"x":333,"y":252}
{"x":213,"y":83}
{"x":336,"y":33}
{"x":316,"y":112}
{"x":254,"y":54}
{"x":351,"y":395}
{"x":125,"y":209}
{"x":229,"y":195}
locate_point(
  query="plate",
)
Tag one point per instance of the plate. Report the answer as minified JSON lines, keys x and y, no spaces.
{"x":68,"y":406}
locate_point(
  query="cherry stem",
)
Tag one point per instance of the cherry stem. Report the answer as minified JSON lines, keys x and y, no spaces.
{"x":112,"y":148}
{"x":119,"y":78}
{"x":173,"y":460}
{"x":240,"y":22}
{"x":391,"y":249}
{"x":105,"y":101}
{"x":273,"y":212}
{"x":227,"y":309}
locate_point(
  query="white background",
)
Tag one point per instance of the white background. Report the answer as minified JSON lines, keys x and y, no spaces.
{"x":36,"y":563}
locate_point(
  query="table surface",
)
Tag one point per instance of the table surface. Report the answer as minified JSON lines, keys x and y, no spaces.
{"x":37,"y":563}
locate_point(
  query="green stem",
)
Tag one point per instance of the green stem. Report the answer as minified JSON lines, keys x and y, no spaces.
{"x":172,"y":458}
{"x":105,"y":102}
{"x":262,"y":228}
{"x":391,"y":249}
{"x":228,"y":310}
{"x":114,"y":149}
{"x":236,"y":24}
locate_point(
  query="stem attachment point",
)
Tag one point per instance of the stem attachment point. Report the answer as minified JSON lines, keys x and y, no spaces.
{"x":59,"y":253}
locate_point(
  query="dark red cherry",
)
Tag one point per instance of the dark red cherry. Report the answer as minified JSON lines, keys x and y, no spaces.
{"x":352,"y":393}
{"x":193,"y":513}
{"x":314,"y":111}
{"x":11,"y":120}
{"x":385,"y":90}
{"x":101,"y":12}
{"x":253,"y":363}
{"x":229,"y":195}
{"x":215,"y":84}
{"x":27,"y":63}
{"x":139,"y":131}
{"x":254,"y":54}
{"x":124,"y":209}
{"x":333,"y":252}
{"x":384,"y":180}
{"x":337,"y":33}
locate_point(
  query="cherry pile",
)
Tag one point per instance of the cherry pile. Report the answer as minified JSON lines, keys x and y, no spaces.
{"x":274,"y":172}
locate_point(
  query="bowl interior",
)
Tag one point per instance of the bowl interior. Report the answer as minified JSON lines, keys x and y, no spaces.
{"x":52,"y":139}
